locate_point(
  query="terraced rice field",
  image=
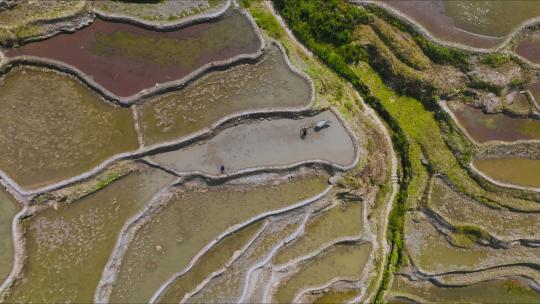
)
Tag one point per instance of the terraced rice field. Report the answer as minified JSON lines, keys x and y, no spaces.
{"x":517,"y":171}
{"x":504,"y":290}
{"x":265,"y":143}
{"x":8,"y":210}
{"x":157,"y":252}
{"x":198,"y":152}
{"x":482,"y":24}
{"x":70,"y":245}
{"x":125,"y":59}
{"x":489,"y":127}
{"x":56,"y":128}
{"x":269,"y":83}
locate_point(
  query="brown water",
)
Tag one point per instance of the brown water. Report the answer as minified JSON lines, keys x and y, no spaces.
{"x":530,"y":49}
{"x":264,"y":143}
{"x":341,"y":260}
{"x":213,"y":260}
{"x":54,"y":128}
{"x":460,"y":210}
{"x":486,"y":127}
{"x":69,"y":247}
{"x":189,"y":221}
{"x":268,"y":83}
{"x":343,"y":220}
{"x":476,"y":23}
{"x":503,"y":290}
{"x":126,"y":59}
{"x":432,"y":253}
{"x":518,"y":171}
{"x":8,"y":209}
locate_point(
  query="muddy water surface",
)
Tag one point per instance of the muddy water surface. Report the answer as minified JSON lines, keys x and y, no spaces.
{"x":126,"y":59}
{"x":340,"y":260}
{"x":190,"y":220}
{"x":264,"y":143}
{"x":54,"y":128}
{"x":517,"y":171}
{"x":503,"y":290}
{"x":212,"y":261}
{"x":8,"y":209}
{"x":474,"y":23}
{"x":69,"y":247}
{"x":268,"y":83}
{"x":486,"y":127}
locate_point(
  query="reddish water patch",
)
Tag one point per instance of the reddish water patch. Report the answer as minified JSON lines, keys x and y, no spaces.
{"x":126,"y":59}
{"x":529,"y":49}
{"x":486,"y":127}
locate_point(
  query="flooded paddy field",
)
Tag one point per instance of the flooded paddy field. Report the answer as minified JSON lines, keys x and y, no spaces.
{"x":341,"y":260}
{"x":487,"y":127}
{"x":529,"y":49}
{"x":173,"y":235}
{"x":431,"y":252}
{"x":145,"y":226}
{"x":26,"y":10}
{"x":8,"y":210}
{"x":501,"y":290}
{"x":342,"y":220}
{"x":269,"y":83}
{"x":125,"y":59}
{"x":482,"y":24}
{"x":210,"y":262}
{"x":27,"y":19}
{"x":229,"y":286}
{"x":517,"y":171}
{"x":335,"y":296}
{"x":55,"y":128}
{"x":535,"y":91}
{"x":68,"y":246}
{"x":264,"y":143}
{"x":502,"y":223}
